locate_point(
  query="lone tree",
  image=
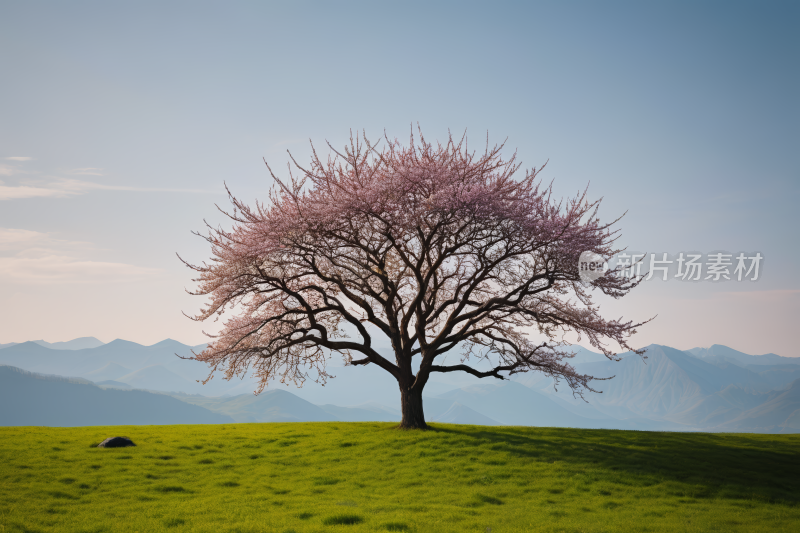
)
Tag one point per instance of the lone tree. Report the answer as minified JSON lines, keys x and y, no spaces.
{"x":434,"y":246}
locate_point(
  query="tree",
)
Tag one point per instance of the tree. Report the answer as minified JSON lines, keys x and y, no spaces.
{"x":434,"y":246}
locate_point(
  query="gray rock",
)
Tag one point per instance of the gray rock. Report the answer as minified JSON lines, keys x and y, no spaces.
{"x":116,"y":442}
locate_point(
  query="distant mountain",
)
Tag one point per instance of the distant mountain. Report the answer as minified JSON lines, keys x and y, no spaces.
{"x":28,"y":399}
{"x":434,"y":407}
{"x":778,"y":376}
{"x":720,"y":353}
{"x":672,"y":386}
{"x":361,"y":413}
{"x":111,"y":384}
{"x":720,"y":407}
{"x":271,"y":406}
{"x":667,"y":383}
{"x":670,"y":390}
{"x":36,"y":358}
{"x":350,"y":386}
{"x":109,"y":371}
{"x":279,"y":405}
{"x":75,"y":344}
{"x":511,"y":403}
{"x":157,"y":377}
{"x":538,"y":380}
{"x":461,"y":414}
{"x":779,"y":414}
{"x":107,"y":361}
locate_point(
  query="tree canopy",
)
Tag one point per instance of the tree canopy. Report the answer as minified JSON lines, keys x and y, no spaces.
{"x":436,"y":247}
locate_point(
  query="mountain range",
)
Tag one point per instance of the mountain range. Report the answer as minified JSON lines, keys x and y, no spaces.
{"x":702,"y":392}
{"x":720,"y":353}
{"x":74,"y":344}
{"x":709,"y":389}
{"x":156,"y":367}
{"x":28,"y":399}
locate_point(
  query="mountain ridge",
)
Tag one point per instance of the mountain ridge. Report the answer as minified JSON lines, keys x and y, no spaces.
{"x":670,"y":390}
{"x":32,"y":399}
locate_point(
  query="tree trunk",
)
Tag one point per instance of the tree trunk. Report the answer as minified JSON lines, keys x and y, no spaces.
{"x":411,"y":405}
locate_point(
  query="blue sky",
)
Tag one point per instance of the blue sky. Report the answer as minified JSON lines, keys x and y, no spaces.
{"x":683,"y":114}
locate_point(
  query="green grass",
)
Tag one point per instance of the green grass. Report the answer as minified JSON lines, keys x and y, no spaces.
{"x":370,"y":477}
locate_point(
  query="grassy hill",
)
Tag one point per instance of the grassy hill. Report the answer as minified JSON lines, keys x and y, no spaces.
{"x":360,"y":477}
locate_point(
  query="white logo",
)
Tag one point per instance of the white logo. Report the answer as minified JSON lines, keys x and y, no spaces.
{"x":591,"y":266}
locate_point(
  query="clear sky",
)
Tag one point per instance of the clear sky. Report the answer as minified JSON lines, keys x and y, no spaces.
{"x":120,"y":122}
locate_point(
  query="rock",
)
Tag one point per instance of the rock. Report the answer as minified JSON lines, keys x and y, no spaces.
{"x":116,"y":442}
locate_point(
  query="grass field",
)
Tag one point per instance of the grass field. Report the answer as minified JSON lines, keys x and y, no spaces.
{"x":371,"y":477}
